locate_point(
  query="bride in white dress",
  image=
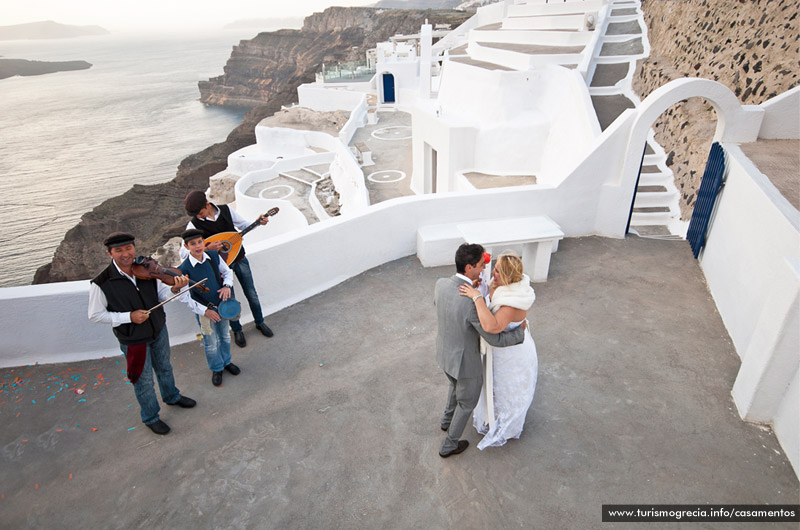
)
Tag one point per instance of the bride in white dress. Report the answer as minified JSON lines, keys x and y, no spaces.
{"x":515,"y":368}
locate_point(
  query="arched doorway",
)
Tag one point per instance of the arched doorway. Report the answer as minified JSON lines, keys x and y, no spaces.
{"x":734,"y":122}
{"x":387,"y":92}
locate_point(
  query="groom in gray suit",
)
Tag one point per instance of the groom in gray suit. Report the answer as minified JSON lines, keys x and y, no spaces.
{"x":458,"y":346}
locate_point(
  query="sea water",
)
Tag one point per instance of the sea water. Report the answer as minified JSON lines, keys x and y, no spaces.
{"x":70,"y":140}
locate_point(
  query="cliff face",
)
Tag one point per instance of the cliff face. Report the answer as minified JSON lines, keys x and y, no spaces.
{"x":152,"y":213}
{"x":273,"y":62}
{"x":262,"y":73}
{"x":750,"y":46}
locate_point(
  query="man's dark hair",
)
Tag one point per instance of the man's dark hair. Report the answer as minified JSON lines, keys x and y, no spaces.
{"x":468,"y":254}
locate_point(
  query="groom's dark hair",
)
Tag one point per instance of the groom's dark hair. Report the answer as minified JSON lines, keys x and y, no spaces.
{"x":468,"y":254}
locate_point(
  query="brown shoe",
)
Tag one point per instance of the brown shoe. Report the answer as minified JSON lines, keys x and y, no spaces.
{"x":462,"y":446}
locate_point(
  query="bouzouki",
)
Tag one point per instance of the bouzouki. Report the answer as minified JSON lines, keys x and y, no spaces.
{"x":232,"y":241}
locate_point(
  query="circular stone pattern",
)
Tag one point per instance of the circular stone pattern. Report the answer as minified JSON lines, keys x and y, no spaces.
{"x":396,"y":132}
{"x":386,"y":175}
{"x":280,"y":191}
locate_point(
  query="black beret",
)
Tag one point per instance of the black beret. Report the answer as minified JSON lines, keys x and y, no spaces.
{"x":118,"y":239}
{"x":194,"y":202}
{"x":192,"y":233}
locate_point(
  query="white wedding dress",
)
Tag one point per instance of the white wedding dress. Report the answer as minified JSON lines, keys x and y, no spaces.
{"x":515,"y":370}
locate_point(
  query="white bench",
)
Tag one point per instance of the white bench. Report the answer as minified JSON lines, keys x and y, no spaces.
{"x":364,"y":154}
{"x":538,"y":236}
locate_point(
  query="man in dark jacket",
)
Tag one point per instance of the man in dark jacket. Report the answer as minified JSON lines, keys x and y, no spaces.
{"x":118,"y":298}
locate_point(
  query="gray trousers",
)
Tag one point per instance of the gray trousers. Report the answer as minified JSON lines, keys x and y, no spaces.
{"x":462,"y":397}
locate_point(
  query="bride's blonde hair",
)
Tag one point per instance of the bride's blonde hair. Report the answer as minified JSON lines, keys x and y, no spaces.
{"x":509,"y":267}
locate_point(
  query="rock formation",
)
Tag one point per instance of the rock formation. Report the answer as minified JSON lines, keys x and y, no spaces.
{"x":751,"y":46}
{"x":276,"y":61}
{"x":12,"y":67}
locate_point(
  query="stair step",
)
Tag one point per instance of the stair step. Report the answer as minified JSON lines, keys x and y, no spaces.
{"x":659,"y":179}
{"x":651,"y":189}
{"x":651,"y":209}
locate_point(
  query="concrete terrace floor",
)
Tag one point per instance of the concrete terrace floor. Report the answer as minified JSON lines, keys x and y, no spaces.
{"x":334,"y":422}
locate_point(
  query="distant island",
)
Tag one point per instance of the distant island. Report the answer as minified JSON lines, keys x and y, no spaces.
{"x":48,"y":30}
{"x":12,"y":67}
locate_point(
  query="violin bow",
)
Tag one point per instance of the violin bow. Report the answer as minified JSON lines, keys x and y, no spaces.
{"x":171,"y":298}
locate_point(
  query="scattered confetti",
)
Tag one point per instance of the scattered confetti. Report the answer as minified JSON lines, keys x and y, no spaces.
{"x":81,"y":400}
{"x":36,"y":487}
{"x":132,"y":428}
{"x":94,"y":429}
{"x":79,"y":391}
{"x":70,"y":476}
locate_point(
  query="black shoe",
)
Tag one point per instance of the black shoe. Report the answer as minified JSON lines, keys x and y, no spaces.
{"x":159,"y":427}
{"x":264,"y":329}
{"x":184,"y":402}
{"x":238,"y":338}
{"x":233,"y":369}
{"x":462,"y":446}
{"x":216,"y":378}
{"x":445,"y":428}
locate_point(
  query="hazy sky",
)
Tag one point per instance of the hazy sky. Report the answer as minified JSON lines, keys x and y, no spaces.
{"x":126,"y":15}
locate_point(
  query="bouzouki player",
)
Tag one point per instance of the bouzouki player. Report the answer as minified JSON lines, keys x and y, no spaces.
{"x":211,"y":219}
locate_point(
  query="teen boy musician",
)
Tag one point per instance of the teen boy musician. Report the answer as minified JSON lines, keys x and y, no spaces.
{"x":211,"y":219}
{"x":209,"y":266}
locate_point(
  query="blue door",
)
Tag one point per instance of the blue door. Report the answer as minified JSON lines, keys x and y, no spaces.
{"x":388,"y":88}
{"x":710,"y":186}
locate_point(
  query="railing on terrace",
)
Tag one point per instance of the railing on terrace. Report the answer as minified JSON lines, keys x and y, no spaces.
{"x":348,"y":71}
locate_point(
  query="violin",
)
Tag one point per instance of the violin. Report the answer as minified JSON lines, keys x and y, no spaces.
{"x":147,"y":268}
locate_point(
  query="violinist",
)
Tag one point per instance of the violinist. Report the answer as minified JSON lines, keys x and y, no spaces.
{"x":119,"y":298}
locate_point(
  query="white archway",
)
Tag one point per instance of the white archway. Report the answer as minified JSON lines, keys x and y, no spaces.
{"x":735,"y":123}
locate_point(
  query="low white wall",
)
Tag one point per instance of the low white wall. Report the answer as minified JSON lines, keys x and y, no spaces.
{"x":517,"y":60}
{"x":781,"y":116}
{"x":537,"y":37}
{"x":554,"y":8}
{"x":323,"y":255}
{"x":752,"y":265}
{"x":250,"y":158}
{"x":358,"y":118}
{"x":573,"y":22}
{"x":325,"y":98}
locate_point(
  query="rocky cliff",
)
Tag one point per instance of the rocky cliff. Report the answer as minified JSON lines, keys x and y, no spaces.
{"x":276,"y":61}
{"x":152,"y":213}
{"x":751,"y":46}
{"x":262,"y":73}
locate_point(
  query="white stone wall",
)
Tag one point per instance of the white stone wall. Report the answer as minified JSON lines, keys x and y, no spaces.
{"x":752,"y":265}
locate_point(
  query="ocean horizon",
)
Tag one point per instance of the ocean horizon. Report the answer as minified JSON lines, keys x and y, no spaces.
{"x":71,"y":140}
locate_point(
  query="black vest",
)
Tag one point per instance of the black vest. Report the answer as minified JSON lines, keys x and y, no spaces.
{"x":208,"y":270}
{"x":124,"y":297}
{"x":224,"y":223}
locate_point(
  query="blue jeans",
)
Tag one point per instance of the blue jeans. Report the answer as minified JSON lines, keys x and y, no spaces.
{"x":242,"y":271}
{"x":217,"y":345}
{"x":157,"y":360}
